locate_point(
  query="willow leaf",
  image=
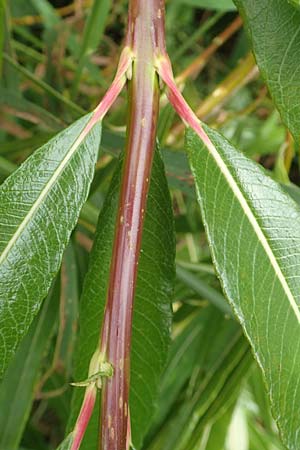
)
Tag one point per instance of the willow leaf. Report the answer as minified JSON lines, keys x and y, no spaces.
{"x":273,"y":27}
{"x":39,"y":206}
{"x":253,"y":228}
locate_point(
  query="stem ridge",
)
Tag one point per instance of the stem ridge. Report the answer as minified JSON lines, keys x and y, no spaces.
{"x":145,"y":34}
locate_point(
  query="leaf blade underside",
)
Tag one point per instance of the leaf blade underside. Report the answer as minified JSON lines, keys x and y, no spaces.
{"x":273,"y":28}
{"x":253,"y":229}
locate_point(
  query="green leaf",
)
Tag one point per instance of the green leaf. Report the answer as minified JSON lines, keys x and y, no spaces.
{"x":223,"y":5}
{"x":39,"y":206}
{"x":253,"y":229}
{"x":18,"y":385}
{"x":273,"y":27}
{"x":152,"y":313}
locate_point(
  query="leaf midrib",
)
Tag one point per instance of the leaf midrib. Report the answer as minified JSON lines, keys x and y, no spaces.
{"x":252,"y":219}
{"x":43,"y":194}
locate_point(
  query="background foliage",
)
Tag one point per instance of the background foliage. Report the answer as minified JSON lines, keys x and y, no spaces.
{"x":58,"y":58}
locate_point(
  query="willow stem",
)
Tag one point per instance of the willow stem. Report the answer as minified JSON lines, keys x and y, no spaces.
{"x":244,"y":73}
{"x":145,"y":36}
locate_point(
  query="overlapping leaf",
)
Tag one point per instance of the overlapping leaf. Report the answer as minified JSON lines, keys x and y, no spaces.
{"x":273,"y":26}
{"x":254,"y":232}
{"x":152,"y":312}
{"x":39,"y":207}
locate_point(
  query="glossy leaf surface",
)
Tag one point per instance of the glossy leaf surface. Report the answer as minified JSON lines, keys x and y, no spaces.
{"x":39,"y":207}
{"x":152,"y":311}
{"x":273,"y":27}
{"x":253,"y":229}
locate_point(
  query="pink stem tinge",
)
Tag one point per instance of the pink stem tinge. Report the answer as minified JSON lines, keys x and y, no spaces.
{"x":123,"y":72}
{"x":142,"y":59}
{"x":124,"y":69}
{"x":145,"y":28}
{"x":164,"y":69}
{"x":84,"y":415}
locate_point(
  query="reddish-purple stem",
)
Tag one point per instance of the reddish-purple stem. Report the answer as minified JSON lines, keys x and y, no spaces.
{"x":177,"y":100}
{"x":115,"y":88}
{"x":110,"y":96}
{"x":142,"y":59}
{"x":98,"y":114}
{"x":145,"y":35}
